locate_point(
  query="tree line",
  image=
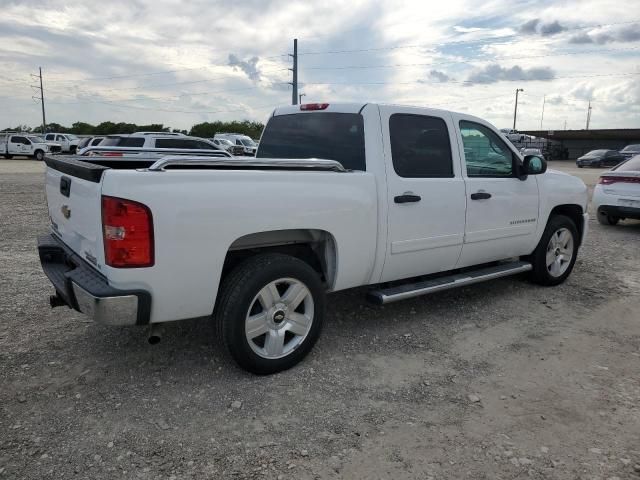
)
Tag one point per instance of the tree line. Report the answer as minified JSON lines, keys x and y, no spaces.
{"x":205,"y":129}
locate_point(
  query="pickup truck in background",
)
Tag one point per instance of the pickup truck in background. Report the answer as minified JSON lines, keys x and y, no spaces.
{"x":514,"y":136}
{"x":67,"y":141}
{"x":405,"y":200}
{"x":24,"y":144}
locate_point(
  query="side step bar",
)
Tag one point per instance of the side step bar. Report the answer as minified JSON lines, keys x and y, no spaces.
{"x":402,"y":292}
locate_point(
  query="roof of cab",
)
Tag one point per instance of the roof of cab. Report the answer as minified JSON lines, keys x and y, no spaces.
{"x":333,"y":107}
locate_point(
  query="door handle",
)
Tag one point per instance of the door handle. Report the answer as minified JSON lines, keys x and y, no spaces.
{"x":407,"y":198}
{"x":480,"y":196}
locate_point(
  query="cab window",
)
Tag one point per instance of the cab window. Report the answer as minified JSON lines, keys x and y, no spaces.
{"x":485,"y":153}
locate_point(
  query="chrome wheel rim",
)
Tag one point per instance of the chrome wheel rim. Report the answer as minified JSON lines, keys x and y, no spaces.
{"x":279,"y":318}
{"x":559,"y":252}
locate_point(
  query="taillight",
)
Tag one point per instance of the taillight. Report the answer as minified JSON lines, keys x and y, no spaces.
{"x":110,"y":154}
{"x":611,"y":180}
{"x":127,"y":229}
{"x":314,"y":106}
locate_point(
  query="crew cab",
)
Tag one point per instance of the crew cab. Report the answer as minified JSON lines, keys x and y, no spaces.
{"x":67,"y":141}
{"x":26,"y":145}
{"x":405,"y":200}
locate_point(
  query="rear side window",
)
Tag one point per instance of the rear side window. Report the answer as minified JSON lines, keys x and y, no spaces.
{"x":171,"y":143}
{"x":420,"y":146}
{"x":23,"y":140}
{"x":325,"y":135}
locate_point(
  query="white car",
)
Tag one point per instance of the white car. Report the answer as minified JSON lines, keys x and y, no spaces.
{"x":154,"y":141}
{"x":617,"y":193}
{"x":67,"y":141}
{"x":229,"y":146}
{"x":404,"y":200}
{"x":26,"y":145}
{"x":249,"y":147}
{"x":514,"y":136}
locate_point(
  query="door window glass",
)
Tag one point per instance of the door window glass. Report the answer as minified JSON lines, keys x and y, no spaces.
{"x":486,"y":154}
{"x":420,"y":146}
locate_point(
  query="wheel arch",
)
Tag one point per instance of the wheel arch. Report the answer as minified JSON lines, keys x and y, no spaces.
{"x":574,"y":212}
{"x":318,"y":248}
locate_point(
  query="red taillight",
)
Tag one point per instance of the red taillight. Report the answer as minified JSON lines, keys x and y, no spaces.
{"x":127,"y":229}
{"x":111,"y":154}
{"x":314,"y":106}
{"x":611,"y":180}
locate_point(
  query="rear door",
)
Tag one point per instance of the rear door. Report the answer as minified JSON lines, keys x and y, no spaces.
{"x":502,"y":210}
{"x":75,"y":212}
{"x":426,"y":192}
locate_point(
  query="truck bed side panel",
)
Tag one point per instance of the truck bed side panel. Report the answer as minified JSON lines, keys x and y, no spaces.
{"x":198,"y":214}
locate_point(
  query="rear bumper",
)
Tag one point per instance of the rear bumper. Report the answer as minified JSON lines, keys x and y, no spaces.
{"x":84,"y":289}
{"x":617,"y":211}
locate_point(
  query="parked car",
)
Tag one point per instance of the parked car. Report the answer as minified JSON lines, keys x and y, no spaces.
{"x":25,"y":144}
{"x":257,"y":242}
{"x":67,"y":141}
{"x":531,"y":151}
{"x":150,"y":140}
{"x":89,"y":142}
{"x":630,"y":151}
{"x":249,"y":147}
{"x":600,"y":158}
{"x":513,"y":135}
{"x":229,"y":146}
{"x":617,"y":193}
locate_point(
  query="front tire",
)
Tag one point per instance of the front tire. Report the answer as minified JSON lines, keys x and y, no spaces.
{"x":554,"y":257}
{"x":8,"y":156}
{"x":270,"y":312}
{"x":39,"y":155}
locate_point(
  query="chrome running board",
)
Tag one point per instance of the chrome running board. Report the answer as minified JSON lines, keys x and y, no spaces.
{"x":402,"y":292}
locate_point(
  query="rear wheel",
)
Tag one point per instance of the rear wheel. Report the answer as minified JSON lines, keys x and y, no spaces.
{"x":554,"y":257}
{"x":270,"y":312}
{"x":605,"y":219}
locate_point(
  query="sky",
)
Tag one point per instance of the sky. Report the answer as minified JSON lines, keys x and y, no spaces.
{"x":181,"y":63}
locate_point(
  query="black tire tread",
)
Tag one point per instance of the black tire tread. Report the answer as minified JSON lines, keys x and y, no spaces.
{"x":539,"y":274}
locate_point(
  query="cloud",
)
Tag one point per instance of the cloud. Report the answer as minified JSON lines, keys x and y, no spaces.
{"x":495,"y":73}
{"x":438,"y":76}
{"x":583,"y":91}
{"x":555,"y":99}
{"x":626,"y":34}
{"x":548,"y":29}
{"x":530,"y":27}
{"x":249,"y":67}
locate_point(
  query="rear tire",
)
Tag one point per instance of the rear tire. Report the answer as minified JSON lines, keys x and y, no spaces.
{"x":269,"y":312}
{"x":605,"y":219}
{"x":556,"y":253}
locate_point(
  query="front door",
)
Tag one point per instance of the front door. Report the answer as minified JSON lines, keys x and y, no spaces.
{"x":426,"y":192}
{"x":502,"y":210}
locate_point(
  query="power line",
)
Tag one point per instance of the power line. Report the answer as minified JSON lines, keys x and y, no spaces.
{"x":359,"y":67}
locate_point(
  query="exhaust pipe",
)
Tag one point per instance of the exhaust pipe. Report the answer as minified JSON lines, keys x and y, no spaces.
{"x":155,"y":334}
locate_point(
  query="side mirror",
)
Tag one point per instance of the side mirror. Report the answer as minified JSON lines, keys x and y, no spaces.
{"x":533,"y":165}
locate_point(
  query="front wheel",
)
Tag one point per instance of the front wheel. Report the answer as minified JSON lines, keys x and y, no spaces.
{"x":270,"y":312}
{"x":8,"y":156}
{"x":554,"y":257}
{"x":39,"y":155}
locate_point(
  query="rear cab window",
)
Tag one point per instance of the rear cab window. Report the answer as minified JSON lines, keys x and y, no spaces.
{"x":322,"y":135}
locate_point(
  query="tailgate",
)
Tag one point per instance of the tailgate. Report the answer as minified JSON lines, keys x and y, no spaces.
{"x":74,"y":202}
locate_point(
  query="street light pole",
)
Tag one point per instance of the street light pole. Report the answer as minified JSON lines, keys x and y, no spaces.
{"x":300,"y":97}
{"x":515,"y":110}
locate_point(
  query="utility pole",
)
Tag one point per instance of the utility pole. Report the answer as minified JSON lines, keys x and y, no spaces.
{"x":294,"y":83}
{"x":544,"y":100}
{"x":300,"y":97}
{"x":565,"y":123}
{"x":44,"y":121}
{"x":515,"y":110}
{"x":588,"y":115}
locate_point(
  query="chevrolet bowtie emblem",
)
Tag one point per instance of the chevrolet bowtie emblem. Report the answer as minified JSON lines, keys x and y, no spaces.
{"x":66,"y":211}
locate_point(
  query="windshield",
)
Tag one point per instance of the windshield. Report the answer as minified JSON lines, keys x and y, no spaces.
{"x":331,"y":136}
{"x":36,"y":139}
{"x":631,"y":148}
{"x":595,"y":153}
{"x":71,"y":136}
{"x":247,"y":142}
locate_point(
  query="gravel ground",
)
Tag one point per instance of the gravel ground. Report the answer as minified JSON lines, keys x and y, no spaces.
{"x":500,"y":380}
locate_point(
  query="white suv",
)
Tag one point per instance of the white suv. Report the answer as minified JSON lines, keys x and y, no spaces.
{"x":249,"y":147}
{"x":176,"y":141}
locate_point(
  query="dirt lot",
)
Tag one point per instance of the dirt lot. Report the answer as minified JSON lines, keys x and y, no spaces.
{"x":501,"y":380}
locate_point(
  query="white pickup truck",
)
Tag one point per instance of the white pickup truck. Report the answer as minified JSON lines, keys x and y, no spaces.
{"x":405,"y":200}
{"x":26,"y":144}
{"x":67,"y":141}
